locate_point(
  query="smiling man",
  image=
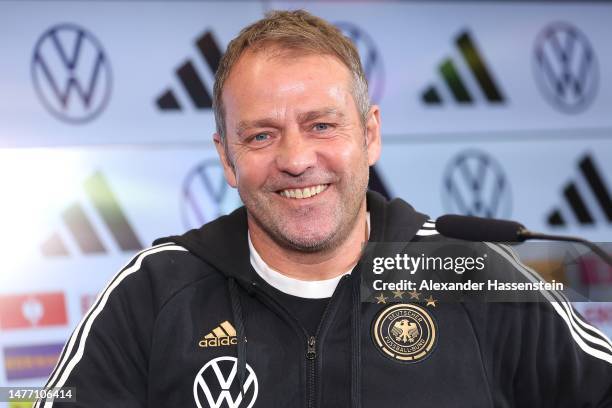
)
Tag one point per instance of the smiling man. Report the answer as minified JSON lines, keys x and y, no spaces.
{"x":263,"y":308}
{"x":295,"y":143}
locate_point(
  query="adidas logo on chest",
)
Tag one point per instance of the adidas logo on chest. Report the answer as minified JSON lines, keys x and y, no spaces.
{"x":222,"y":335}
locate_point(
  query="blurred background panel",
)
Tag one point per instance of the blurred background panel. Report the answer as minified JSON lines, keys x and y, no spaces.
{"x":491,"y":108}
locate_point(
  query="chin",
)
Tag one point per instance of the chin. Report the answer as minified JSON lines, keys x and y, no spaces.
{"x":310,"y":241}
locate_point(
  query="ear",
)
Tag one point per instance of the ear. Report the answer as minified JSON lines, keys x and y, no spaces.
{"x":228,"y":167}
{"x":372,"y":135}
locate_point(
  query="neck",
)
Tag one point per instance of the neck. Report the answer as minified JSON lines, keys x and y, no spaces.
{"x":310,"y":266}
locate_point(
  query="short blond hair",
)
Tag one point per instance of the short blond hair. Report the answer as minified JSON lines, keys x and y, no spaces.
{"x":294,"y":31}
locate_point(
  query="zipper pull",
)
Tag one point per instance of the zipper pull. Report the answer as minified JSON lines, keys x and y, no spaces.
{"x":312,"y":352}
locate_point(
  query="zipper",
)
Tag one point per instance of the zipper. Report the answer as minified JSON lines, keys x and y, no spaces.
{"x":311,"y":341}
{"x":311,"y":355}
{"x":300,"y":330}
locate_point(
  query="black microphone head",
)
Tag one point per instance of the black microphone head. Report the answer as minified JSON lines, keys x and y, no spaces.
{"x":479,"y":229}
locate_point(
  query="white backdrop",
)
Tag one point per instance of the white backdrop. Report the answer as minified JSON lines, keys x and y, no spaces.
{"x":107,"y":149}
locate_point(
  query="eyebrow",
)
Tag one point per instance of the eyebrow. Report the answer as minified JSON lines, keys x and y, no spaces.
{"x":315,"y":114}
{"x":259,"y":123}
{"x":302,"y":117}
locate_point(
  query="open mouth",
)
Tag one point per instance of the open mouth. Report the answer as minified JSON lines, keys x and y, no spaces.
{"x":305,"y":192}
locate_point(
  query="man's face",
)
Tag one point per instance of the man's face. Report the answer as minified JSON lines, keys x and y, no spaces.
{"x":296,"y":148}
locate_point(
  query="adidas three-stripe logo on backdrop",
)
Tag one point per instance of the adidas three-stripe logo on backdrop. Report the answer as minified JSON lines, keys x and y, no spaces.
{"x":585,"y":197}
{"x":191,"y":79}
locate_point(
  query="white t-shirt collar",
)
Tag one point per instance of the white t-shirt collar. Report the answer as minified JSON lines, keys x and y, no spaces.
{"x":305,"y":289}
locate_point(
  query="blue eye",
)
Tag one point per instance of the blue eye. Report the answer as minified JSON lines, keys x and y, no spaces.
{"x":260,"y":137}
{"x":321,"y":126}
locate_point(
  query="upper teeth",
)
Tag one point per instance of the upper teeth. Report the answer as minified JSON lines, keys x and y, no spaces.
{"x":303,"y":192}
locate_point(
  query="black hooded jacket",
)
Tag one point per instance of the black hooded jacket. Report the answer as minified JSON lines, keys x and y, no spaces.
{"x":189,"y":323}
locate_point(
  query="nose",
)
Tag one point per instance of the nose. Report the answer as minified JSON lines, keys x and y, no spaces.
{"x":296,"y":154}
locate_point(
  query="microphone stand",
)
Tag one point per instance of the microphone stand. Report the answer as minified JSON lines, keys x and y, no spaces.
{"x":524,"y":234}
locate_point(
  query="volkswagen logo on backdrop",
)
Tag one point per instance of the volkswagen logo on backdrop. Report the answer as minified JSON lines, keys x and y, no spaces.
{"x":371,"y":59}
{"x":475,"y":184}
{"x":217,"y":385}
{"x":565,"y":67}
{"x":206,"y":195}
{"x":71,"y":73}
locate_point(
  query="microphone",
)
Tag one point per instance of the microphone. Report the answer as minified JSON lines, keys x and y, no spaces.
{"x":470,"y":228}
{"x":479,"y":229}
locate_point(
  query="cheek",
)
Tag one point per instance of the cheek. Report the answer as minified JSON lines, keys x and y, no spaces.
{"x":347,"y":158}
{"x":251,"y":171}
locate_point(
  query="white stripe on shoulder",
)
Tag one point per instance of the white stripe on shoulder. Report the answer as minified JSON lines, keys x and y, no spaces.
{"x":588,"y":326}
{"x":67,"y":349}
{"x":426,"y":232}
{"x":69,"y":362}
{"x":69,"y":345}
{"x":561,"y":307}
{"x":566,"y":304}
